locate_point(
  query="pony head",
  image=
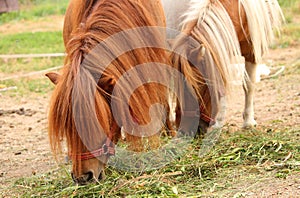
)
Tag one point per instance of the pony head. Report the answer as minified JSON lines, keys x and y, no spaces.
{"x":90,"y":148}
{"x":81,"y":112}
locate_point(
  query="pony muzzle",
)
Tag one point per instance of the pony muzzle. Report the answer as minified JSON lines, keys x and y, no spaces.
{"x":88,"y":177}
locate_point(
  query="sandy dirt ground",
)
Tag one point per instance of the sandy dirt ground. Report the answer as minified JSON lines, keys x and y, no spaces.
{"x":24,"y":145}
{"x":277,"y":106}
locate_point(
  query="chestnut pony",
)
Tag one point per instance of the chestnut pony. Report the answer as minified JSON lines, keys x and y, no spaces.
{"x":81,"y":110}
{"x":227,"y":29}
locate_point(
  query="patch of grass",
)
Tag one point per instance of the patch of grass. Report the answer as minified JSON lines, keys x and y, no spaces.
{"x":238,"y":159}
{"x":287,"y":3}
{"x":31,"y":10}
{"x":31,"y":43}
{"x":29,"y":86}
{"x":18,"y":66}
{"x":38,"y":42}
{"x":36,"y":84}
{"x":290,"y":34}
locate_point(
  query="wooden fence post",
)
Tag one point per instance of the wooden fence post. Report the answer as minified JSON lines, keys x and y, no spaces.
{"x":8,"y":5}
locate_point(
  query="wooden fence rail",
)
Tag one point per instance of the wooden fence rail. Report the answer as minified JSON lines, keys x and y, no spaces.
{"x":16,"y":56}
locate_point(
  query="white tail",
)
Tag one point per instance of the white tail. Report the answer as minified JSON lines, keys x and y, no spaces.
{"x":263,"y":18}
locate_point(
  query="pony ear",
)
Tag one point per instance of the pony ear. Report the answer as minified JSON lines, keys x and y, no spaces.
{"x":196,"y":54}
{"x":107,"y":83}
{"x":53,"y":76}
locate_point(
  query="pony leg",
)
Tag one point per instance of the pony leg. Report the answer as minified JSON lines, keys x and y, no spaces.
{"x":249,"y":89}
{"x":171,"y":120}
{"x":220,"y":118}
{"x":171,"y":128}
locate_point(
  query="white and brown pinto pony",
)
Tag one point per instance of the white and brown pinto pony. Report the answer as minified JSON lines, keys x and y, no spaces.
{"x":227,"y":30}
{"x":81,"y":112}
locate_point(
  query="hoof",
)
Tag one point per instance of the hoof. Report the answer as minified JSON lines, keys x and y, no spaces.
{"x":218,"y":125}
{"x":249,"y":124}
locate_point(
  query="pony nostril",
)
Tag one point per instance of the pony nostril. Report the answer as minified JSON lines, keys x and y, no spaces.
{"x":73,"y":177}
{"x":100,"y":177}
{"x":82,"y":180}
{"x":89,"y":176}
